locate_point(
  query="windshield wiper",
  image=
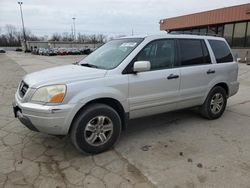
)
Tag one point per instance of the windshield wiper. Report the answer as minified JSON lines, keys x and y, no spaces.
{"x":89,"y":65}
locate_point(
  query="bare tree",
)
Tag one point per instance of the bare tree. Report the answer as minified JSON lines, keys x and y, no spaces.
{"x":101,"y":38}
{"x":66,"y":37}
{"x":11,"y":33}
{"x":56,"y":37}
{"x":13,"y":37}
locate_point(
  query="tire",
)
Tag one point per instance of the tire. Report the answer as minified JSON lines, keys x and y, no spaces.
{"x":215,"y":103}
{"x":95,"y":123}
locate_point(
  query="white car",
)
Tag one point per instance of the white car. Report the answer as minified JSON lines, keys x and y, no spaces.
{"x":124,"y":79}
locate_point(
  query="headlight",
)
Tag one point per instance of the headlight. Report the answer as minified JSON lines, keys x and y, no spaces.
{"x":50,"y":94}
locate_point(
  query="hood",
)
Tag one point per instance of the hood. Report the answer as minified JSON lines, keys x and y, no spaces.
{"x":62,"y":75}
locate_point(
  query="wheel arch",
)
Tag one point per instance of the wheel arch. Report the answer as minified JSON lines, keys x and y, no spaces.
{"x":224,"y":86}
{"x":113,"y":103}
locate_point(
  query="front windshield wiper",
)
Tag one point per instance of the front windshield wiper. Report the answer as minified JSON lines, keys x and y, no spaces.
{"x":89,"y":65}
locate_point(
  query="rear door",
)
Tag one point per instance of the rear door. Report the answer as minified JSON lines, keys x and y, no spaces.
{"x":226,"y":67}
{"x":196,"y":71}
{"x":157,"y":90}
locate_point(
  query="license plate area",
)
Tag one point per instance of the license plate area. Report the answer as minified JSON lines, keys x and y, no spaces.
{"x":16,"y":109}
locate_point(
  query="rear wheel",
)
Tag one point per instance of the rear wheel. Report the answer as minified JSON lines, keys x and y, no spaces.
{"x":215,"y":104}
{"x":96,"y":129}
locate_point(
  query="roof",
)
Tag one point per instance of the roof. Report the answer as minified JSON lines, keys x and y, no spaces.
{"x":212,"y":17}
{"x":168,"y":35}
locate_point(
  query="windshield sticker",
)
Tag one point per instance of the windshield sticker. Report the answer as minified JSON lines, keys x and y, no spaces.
{"x":129,"y":44}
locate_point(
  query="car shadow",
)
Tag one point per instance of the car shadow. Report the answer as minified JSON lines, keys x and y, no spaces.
{"x":160,"y":121}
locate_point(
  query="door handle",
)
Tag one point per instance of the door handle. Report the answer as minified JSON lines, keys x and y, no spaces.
{"x":210,"y":71}
{"x":173,"y":76}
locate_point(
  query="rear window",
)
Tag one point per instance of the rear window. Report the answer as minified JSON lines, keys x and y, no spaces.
{"x":193,"y":52}
{"x":221,"y":51}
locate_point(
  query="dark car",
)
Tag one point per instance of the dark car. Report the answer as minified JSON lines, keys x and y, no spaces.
{"x":2,"y":50}
{"x":85,"y":51}
{"x":27,"y":51}
{"x":73,"y":51}
{"x":19,"y":50}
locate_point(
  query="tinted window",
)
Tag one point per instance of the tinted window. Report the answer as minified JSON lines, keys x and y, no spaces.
{"x":161,"y":54}
{"x":239,"y":34}
{"x":221,"y":51}
{"x":248,"y":35}
{"x":212,"y":30}
{"x":228,"y":33}
{"x":191,"y":52}
{"x":220,"y":30}
{"x":203,"y":31}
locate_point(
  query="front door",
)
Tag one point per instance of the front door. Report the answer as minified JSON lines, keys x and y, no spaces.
{"x":157,"y":90}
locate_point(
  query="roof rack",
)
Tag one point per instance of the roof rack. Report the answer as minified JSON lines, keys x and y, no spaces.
{"x":193,"y":33}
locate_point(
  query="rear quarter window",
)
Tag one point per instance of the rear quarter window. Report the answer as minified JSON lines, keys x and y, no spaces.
{"x":221,"y":51}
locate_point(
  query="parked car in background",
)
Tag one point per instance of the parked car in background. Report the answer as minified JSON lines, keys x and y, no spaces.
{"x":55,"y":50}
{"x":35,"y":51}
{"x":124,"y":79}
{"x":2,"y":50}
{"x":41,"y":51}
{"x":73,"y":51}
{"x":27,"y":51}
{"x":62,"y":51}
{"x":85,"y":51}
{"x":19,"y":50}
{"x":49,"y":52}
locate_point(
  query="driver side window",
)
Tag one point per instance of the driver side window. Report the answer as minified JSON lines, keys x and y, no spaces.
{"x":160,"y":53}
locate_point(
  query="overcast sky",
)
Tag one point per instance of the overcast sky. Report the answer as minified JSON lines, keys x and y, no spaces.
{"x":109,"y":17}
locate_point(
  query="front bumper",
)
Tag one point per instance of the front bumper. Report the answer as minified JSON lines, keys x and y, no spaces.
{"x":42,"y":118}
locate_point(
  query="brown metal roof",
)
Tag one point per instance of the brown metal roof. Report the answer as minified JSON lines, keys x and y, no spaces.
{"x":218,"y":16}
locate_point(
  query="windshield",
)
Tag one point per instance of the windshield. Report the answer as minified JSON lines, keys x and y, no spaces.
{"x":111,"y":54}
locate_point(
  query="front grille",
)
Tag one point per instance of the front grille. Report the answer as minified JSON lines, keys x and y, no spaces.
{"x":23,"y":89}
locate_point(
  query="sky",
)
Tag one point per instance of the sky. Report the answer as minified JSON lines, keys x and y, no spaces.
{"x":108,"y":17}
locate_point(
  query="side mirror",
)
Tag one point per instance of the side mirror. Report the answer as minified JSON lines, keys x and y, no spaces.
{"x":141,"y":66}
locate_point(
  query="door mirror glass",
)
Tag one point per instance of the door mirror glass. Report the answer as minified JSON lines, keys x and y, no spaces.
{"x":141,"y":66}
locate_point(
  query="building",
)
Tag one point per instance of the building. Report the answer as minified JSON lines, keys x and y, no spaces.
{"x":232,"y":23}
{"x":58,"y":44}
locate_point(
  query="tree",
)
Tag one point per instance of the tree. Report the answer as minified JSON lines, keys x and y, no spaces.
{"x":11,"y":34}
{"x":66,"y":37}
{"x":101,"y":38}
{"x":56,"y":37}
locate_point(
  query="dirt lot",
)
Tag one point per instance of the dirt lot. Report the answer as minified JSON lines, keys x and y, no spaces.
{"x":175,"y":150}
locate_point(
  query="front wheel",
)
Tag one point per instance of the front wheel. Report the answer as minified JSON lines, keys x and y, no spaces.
{"x":215,"y":104}
{"x":96,"y":129}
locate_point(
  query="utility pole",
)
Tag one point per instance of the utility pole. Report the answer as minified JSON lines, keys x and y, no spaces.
{"x":132,"y":32}
{"x":24,"y":36}
{"x":74,"y":28}
{"x":72,"y":32}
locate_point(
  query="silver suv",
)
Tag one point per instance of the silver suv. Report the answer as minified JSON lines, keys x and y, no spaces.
{"x":125,"y":79}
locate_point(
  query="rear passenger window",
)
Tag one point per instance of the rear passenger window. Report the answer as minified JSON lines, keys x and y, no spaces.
{"x":193,"y":52}
{"x":221,"y":51}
